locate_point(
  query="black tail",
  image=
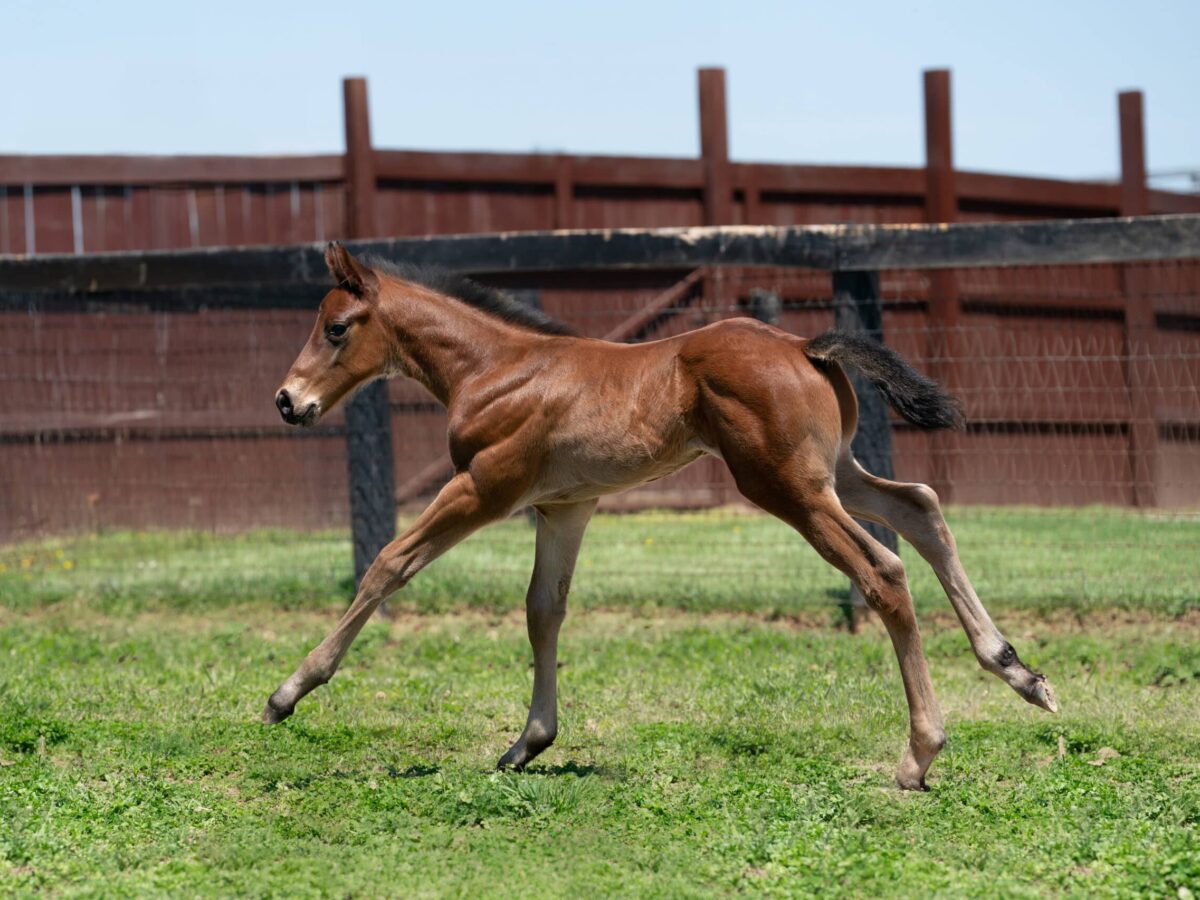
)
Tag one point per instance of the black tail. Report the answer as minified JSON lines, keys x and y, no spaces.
{"x":921,"y":400}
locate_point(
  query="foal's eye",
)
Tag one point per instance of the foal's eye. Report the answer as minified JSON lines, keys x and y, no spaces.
{"x":335,"y":332}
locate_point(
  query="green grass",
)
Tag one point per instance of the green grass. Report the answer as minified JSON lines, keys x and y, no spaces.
{"x":701,"y":751}
{"x":1035,"y":559}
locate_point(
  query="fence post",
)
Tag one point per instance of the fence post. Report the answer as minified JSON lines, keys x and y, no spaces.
{"x":857,"y":306}
{"x":766,"y":306}
{"x":368,"y":415}
{"x":714,"y":148}
{"x":941,"y":205}
{"x":360,"y":160}
{"x":1139,"y":310}
{"x":714,"y":159}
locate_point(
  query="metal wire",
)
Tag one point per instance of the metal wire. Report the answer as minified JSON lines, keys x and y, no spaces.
{"x":138,"y":421}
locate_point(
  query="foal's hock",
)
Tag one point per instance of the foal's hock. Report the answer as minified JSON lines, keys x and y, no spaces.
{"x":541,"y":417}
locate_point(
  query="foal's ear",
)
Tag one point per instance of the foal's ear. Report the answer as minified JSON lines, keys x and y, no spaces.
{"x":350,"y":274}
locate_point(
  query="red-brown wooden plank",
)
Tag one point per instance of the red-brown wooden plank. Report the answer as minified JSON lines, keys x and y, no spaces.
{"x":1092,"y":198}
{"x":147,"y":170}
{"x":838,"y":180}
{"x":53,"y":221}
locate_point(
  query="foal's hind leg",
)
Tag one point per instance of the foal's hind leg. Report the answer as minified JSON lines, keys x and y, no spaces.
{"x":914,"y":512}
{"x":879,"y":575}
{"x":559,"y":533}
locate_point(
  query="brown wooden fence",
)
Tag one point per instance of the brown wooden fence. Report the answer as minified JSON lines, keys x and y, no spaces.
{"x":1082,"y":379}
{"x":138,"y":388}
{"x":86,"y":204}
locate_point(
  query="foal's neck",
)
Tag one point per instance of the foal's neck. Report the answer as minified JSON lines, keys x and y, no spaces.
{"x":443,"y":342}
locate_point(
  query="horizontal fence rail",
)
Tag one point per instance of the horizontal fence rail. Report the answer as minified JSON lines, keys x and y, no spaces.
{"x":823,"y":247}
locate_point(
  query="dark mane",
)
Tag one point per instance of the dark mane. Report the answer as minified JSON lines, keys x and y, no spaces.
{"x":492,"y":301}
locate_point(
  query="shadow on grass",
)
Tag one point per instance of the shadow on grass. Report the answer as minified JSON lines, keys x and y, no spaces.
{"x":567,"y":768}
{"x":413,"y":771}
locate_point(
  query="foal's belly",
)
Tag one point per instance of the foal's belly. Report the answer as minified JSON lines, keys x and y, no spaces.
{"x":626,"y":429}
{"x":574,"y":478}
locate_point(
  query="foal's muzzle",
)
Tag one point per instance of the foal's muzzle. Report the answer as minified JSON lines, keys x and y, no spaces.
{"x":291,"y":415}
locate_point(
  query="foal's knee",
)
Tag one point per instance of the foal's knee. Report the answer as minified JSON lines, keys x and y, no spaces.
{"x":548,"y":603}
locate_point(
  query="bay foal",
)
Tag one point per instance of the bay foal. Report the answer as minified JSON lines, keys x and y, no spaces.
{"x":540,"y":417}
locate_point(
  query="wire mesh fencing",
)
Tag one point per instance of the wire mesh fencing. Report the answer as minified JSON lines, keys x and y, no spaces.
{"x":141,"y":454}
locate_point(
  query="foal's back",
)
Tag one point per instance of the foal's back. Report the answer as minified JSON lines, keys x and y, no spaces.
{"x":628,"y":414}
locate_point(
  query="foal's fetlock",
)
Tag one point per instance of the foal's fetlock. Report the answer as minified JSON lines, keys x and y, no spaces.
{"x":910,"y":776}
{"x":922,"y":750}
{"x":1032,"y":686}
{"x":924,"y":744}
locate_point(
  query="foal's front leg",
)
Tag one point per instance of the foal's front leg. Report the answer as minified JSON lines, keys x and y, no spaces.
{"x":559,"y":533}
{"x":457,"y":511}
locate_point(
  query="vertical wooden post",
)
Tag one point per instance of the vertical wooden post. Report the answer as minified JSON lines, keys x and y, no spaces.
{"x":718,"y":186}
{"x":368,"y":416}
{"x":1139,"y":310}
{"x":718,"y":207}
{"x":1134,"y":198}
{"x":360,"y":160}
{"x":941,"y":205}
{"x":714,"y":148}
{"x":766,"y":306}
{"x":858,"y":306}
{"x":941,"y":201}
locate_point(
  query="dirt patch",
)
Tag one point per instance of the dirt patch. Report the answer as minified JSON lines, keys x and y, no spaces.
{"x":271,"y":623}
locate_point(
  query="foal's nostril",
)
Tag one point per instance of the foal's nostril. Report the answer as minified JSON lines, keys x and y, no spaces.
{"x":284,"y":402}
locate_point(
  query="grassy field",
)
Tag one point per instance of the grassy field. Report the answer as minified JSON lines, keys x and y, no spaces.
{"x":718,"y":735}
{"x":710,"y":561}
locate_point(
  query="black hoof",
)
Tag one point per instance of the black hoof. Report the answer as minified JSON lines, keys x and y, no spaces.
{"x":1040,"y":693}
{"x":273,"y":715}
{"x":514,"y":760}
{"x":523,"y":752}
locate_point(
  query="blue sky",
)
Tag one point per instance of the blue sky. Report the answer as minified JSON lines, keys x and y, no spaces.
{"x":1035,"y":83}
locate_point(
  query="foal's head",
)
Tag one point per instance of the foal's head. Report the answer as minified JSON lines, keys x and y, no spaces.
{"x":348,"y":347}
